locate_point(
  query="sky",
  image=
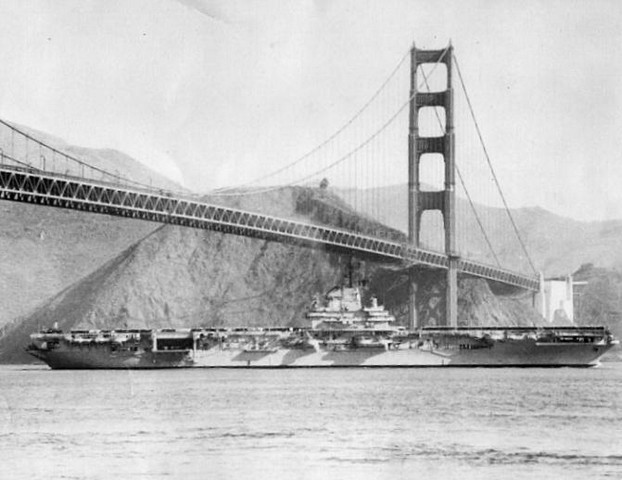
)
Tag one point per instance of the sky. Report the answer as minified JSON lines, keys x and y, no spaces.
{"x":214,"y":93}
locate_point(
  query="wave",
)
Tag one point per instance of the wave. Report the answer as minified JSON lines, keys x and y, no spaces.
{"x":489,"y":456}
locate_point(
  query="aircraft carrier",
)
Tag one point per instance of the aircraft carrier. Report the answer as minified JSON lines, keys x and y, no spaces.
{"x":341,"y":332}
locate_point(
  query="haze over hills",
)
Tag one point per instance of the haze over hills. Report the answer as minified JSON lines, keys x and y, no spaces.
{"x":107,"y":159}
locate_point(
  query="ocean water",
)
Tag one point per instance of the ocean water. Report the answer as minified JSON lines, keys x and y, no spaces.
{"x":311,"y":424}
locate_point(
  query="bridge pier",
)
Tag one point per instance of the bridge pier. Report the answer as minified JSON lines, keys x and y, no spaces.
{"x":413,"y":317}
{"x":451,"y":293}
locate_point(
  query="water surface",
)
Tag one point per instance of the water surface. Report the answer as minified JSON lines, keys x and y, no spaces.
{"x":308,"y":423}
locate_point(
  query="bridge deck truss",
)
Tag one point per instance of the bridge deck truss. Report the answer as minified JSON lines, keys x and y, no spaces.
{"x":34,"y":186}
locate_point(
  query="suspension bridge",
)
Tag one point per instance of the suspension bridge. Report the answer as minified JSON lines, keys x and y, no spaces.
{"x":366,"y":156}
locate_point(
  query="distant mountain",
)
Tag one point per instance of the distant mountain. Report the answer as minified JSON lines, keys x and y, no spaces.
{"x":556,"y":245}
{"x":109,"y":160}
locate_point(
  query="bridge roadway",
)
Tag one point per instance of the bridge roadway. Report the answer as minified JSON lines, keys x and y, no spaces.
{"x":31,"y":185}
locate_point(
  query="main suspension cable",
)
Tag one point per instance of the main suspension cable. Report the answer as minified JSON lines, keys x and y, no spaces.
{"x":74,"y":159}
{"x":325,"y":142}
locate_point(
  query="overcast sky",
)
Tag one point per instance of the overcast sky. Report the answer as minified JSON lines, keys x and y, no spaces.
{"x":215,"y":92}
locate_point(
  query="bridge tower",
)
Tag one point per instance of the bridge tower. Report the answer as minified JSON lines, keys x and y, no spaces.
{"x":443,"y":200}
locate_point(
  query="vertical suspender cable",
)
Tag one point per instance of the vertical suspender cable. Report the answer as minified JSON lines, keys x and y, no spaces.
{"x":492,"y":170}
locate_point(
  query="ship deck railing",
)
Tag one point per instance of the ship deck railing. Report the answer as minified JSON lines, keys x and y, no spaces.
{"x":561,"y":330}
{"x":578,"y":328}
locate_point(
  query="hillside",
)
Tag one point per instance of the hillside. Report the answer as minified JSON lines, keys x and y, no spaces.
{"x":44,"y":250}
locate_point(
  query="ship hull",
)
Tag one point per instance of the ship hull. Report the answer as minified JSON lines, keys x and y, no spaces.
{"x":513,"y":353}
{"x":342,"y":333}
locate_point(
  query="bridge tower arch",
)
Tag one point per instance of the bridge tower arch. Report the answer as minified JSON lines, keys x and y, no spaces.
{"x":445,"y":199}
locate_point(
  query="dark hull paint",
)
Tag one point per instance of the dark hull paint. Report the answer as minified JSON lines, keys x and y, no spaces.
{"x":513,"y":354}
